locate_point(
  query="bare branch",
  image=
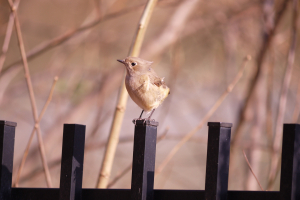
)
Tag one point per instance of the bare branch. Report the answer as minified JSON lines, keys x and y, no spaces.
{"x":252,"y":170}
{"x":45,"y":46}
{"x":31,"y":93}
{"x":268,"y":37}
{"x":173,"y":29}
{"x":205,"y":118}
{"x":16,"y":184}
{"x":283,"y":98}
{"x":8,"y":33}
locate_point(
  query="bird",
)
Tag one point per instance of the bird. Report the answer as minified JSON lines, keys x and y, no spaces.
{"x":143,"y":85}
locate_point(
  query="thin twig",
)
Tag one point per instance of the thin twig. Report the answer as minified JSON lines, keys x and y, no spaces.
{"x":269,"y":35}
{"x":95,"y":146}
{"x":16,"y":184}
{"x":283,"y":98}
{"x":122,"y":100}
{"x":98,"y":121}
{"x":90,"y":146}
{"x":70,"y":115}
{"x":119,"y":176}
{"x":180,"y":25}
{"x":31,"y":93}
{"x":8,"y":33}
{"x":45,"y":46}
{"x":269,"y":120}
{"x":97,"y":7}
{"x":271,"y":26}
{"x":172,"y":31}
{"x":205,"y":118}
{"x":177,"y":60}
{"x":129,"y":167}
{"x":252,"y":170}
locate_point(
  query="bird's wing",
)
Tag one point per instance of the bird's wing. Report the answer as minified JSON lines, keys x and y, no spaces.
{"x":144,"y":81}
{"x":154,"y":79}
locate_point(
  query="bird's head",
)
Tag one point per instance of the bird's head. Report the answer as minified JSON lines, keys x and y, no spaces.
{"x":136,"y":65}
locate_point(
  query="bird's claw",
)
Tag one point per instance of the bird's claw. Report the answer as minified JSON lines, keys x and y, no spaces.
{"x":145,"y":121}
{"x":134,"y":120}
{"x":140,"y":119}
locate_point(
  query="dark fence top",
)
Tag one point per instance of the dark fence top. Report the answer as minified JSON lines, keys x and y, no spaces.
{"x":217,"y":167}
{"x":8,"y":123}
{"x":220,"y":124}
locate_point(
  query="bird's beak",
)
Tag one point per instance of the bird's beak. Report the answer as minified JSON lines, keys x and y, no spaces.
{"x":121,"y":61}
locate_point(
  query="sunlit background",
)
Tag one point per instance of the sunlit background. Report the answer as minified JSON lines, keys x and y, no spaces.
{"x":198,"y":46}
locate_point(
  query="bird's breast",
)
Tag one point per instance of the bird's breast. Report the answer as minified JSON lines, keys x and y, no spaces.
{"x":145,"y":94}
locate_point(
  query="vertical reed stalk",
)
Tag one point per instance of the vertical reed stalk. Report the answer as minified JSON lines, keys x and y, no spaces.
{"x":122,"y":100}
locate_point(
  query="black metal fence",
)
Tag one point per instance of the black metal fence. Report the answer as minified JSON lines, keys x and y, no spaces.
{"x":217,"y":165}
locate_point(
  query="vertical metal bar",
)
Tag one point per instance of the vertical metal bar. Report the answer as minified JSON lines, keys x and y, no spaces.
{"x":7,"y":142}
{"x":143,"y":163}
{"x":217,"y":161}
{"x":72,"y":162}
{"x":290,"y":163}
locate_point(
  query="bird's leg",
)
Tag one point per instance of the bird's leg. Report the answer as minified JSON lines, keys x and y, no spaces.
{"x":140,"y":117}
{"x":151,"y":114}
{"x":141,"y":114}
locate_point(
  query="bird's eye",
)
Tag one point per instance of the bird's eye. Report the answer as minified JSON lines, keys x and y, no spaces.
{"x":133,"y":64}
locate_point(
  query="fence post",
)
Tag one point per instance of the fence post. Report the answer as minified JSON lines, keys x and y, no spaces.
{"x":217,"y":161}
{"x":72,"y":162}
{"x":143,"y":164}
{"x":7,"y":142}
{"x":290,"y":162}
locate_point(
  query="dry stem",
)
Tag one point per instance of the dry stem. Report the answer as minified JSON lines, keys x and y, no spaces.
{"x":8,"y":33}
{"x":45,"y":46}
{"x":31,"y":93}
{"x":205,"y":118}
{"x":172,"y":31}
{"x":261,"y":56}
{"x":122,"y":100}
{"x":283,"y":97}
{"x":179,"y":25}
{"x":90,"y":146}
{"x":252,"y":170}
{"x":16,"y":184}
{"x":269,"y":121}
{"x":271,"y":26}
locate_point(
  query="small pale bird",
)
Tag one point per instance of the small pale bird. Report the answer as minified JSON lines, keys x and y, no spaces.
{"x":144,"y":86}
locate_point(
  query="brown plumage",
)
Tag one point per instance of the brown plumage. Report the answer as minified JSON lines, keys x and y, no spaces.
{"x":144,"y":86}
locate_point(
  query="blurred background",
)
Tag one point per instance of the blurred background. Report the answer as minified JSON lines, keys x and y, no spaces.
{"x":198,"y":46}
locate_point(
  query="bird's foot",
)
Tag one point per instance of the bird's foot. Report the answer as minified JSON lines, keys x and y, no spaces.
{"x":148,"y":120}
{"x":137,"y":119}
{"x":144,"y":121}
